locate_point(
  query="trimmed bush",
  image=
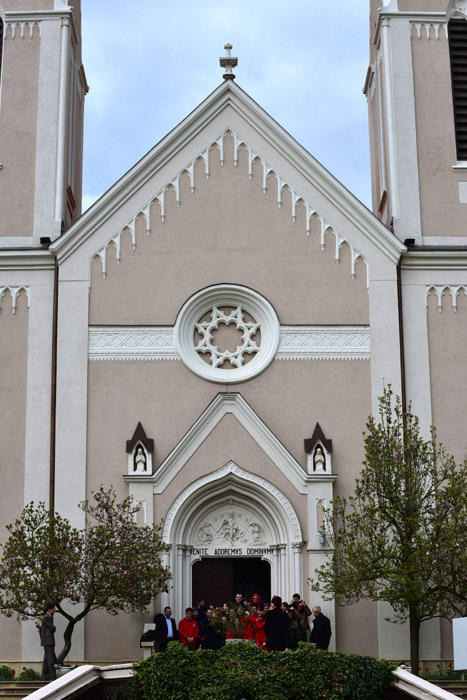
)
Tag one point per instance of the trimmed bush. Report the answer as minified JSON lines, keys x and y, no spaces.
{"x":6,"y":674}
{"x":240,"y":671}
{"x":28,"y":674}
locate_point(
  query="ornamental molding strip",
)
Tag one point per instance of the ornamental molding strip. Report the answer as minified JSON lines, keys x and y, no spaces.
{"x":268,"y":175}
{"x":296,"y":343}
{"x":324,"y":343}
{"x":440,"y":290}
{"x":427,"y":26}
{"x":14,"y":292}
{"x":132,"y":343}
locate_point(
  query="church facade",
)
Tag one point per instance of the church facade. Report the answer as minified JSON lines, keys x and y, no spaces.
{"x":212,"y":334}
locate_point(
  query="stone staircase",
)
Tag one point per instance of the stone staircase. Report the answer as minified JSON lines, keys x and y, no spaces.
{"x":458,"y":688}
{"x":15,"y":690}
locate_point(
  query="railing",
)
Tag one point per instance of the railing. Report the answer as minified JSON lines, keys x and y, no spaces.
{"x":414,"y":687}
{"x":80,"y":679}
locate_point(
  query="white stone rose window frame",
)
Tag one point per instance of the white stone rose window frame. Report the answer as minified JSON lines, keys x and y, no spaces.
{"x":251,"y":314}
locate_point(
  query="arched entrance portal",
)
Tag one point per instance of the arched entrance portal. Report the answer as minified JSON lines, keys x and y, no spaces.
{"x":218,"y":580}
{"x":232,"y":513}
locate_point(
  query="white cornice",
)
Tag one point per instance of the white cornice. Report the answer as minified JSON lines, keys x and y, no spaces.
{"x":36,"y":15}
{"x":229,"y":94}
{"x":31,"y":260}
{"x":435,"y":260}
{"x":236,"y":405}
{"x":411,"y":16}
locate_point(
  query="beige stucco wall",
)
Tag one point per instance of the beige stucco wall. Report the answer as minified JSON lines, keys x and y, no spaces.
{"x":447,"y":334}
{"x":436,"y":142}
{"x":228,"y":231}
{"x":357,"y":628}
{"x":290,"y":397}
{"x":14,"y":352}
{"x":422,"y":5}
{"x":24,"y":5}
{"x":18,"y":113}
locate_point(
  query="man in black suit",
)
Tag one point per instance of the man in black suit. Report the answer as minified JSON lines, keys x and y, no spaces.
{"x":277,"y":622}
{"x":321,"y":632}
{"x":166,"y":628}
{"x":47,"y":632}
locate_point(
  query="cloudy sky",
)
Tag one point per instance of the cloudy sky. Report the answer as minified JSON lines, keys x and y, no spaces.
{"x":149,"y":63}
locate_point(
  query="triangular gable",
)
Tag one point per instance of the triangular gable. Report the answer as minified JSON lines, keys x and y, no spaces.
{"x":228,"y":94}
{"x":236,"y":405}
{"x":318,"y":436}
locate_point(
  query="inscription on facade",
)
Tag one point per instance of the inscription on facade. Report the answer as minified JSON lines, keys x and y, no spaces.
{"x":229,"y":551}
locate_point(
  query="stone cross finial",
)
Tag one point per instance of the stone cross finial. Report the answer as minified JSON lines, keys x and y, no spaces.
{"x":228,"y":62}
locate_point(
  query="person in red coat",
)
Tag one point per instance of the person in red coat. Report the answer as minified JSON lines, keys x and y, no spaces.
{"x":260,"y":633}
{"x":188,"y":630}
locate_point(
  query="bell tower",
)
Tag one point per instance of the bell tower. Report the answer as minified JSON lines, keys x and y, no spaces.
{"x":418,"y":120}
{"x":42,"y":90}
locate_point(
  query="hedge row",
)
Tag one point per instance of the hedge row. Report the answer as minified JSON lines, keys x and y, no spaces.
{"x":240,"y":671}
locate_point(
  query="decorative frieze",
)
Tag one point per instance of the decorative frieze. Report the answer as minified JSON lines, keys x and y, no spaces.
{"x":324,"y":343}
{"x":440,"y":291}
{"x":22,"y":29}
{"x":423,"y":29}
{"x":14,"y":293}
{"x":296,"y":343}
{"x":268,"y":176}
{"x":145,"y":343}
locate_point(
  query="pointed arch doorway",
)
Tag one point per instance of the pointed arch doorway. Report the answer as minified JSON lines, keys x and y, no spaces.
{"x":217,"y":580}
{"x":232,"y":513}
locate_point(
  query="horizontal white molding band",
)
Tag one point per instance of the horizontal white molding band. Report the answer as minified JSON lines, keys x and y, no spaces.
{"x":296,"y":343}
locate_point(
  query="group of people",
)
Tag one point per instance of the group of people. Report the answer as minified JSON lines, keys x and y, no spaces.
{"x":275,"y":626}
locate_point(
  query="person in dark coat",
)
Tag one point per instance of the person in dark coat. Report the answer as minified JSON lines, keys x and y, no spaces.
{"x":47,"y":632}
{"x":166,"y":628}
{"x":321,"y":632}
{"x":294,"y":632}
{"x":212,"y":633}
{"x":277,"y":623}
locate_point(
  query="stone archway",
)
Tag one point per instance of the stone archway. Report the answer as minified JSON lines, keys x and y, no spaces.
{"x":232,"y":513}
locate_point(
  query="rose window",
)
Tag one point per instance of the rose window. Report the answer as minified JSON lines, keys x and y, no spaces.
{"x":227,"y":333}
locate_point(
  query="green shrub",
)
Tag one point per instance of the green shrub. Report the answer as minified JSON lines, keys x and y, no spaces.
{"x":244,"y":671}
{"x":28,"y":674}
{"x":6,"y":674}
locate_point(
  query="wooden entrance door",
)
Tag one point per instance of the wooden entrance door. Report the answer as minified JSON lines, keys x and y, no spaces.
{"x":218,"y":580}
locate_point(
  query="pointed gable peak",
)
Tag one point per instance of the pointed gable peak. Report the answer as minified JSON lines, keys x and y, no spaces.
{"x":318,"y":436}
{"x":140,"y":436}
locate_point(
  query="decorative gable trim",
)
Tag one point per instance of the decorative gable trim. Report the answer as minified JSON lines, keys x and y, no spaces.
{"x":236,"y":405}
{"x":268,"y":174}
{"x":229,"y":94}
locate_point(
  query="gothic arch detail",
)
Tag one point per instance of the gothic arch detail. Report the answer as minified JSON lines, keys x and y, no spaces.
{"x":440,"y":291}
{"x":227,"y":479}
{"x":14,"y":292}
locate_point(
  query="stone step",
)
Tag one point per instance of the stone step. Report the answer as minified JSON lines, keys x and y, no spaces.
{"x":458,"y":688}
{"x":16,"y":690}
